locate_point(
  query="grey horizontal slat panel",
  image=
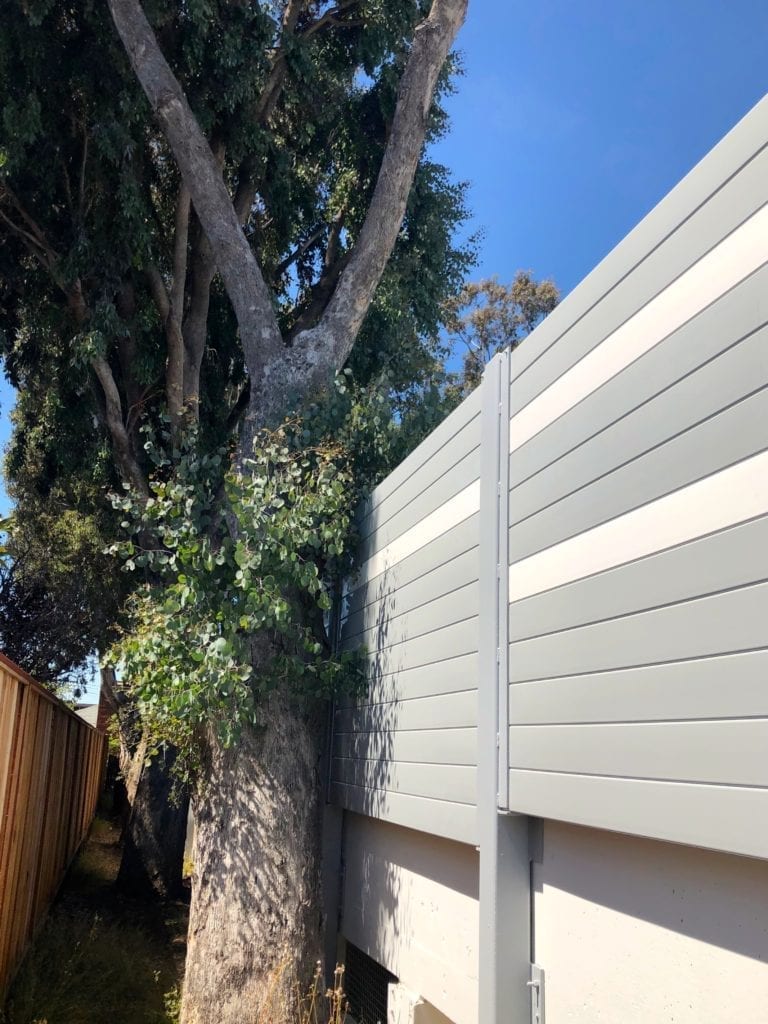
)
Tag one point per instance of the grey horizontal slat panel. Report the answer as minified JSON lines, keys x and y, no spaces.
{"x":725,"y":686}
{"x":434,"y":559}
{"x":456,"y":783}
{"x":736,"y":314}
{"x":395,"y":629}
{"x":441,"y":644}
{"x":443,"y":461}
{"x":455,"y":574}
{"x":731,"y":558}
{"x":726,"y":438}
{"x":728,"y":818}
{"x":441,"y":711}
{"x":726,"y":752}
{"x":439,"y":438}
{"x":730,"y":206}
{"x":419,"y":746}
{"x":736,"y":620}
{"x":696,"y":397}
{"x":440,"y":677}
{"x":437,"y":817}
{"x":437,"y":494}
{"x":738,"y":147}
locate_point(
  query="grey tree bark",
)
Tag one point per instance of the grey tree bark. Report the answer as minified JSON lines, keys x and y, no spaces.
{"x":255,"y":927}
{"x":255,"y":923}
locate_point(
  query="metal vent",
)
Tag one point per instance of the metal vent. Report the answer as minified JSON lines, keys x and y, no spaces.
{"x":365,"y":982}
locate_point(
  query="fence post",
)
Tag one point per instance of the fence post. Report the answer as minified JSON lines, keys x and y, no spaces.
{"x":504,"y":941}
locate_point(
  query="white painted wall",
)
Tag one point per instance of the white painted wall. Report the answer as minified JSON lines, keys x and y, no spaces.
{"x":634,"y":931}
{"x":410,"y":902}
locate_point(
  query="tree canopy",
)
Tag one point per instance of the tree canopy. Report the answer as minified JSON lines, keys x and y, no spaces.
{"x":112,"y":317}
{"x":225,"y":258}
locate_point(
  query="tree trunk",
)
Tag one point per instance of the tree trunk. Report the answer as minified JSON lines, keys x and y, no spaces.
{"x":155,"y":821}
{"x":154,"y":838}
{"x":256,"y":929}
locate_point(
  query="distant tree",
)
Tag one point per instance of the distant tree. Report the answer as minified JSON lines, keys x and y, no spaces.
{"x":55,"y":611}
{"x":485,"y":317}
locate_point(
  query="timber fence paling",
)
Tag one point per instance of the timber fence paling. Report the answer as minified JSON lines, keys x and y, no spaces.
{"x":51,"y":766}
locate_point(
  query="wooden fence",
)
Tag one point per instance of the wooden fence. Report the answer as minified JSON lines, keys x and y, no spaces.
{"x":50,"y":772}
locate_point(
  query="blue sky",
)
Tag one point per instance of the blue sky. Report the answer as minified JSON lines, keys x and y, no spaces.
{"x":575,"y":117}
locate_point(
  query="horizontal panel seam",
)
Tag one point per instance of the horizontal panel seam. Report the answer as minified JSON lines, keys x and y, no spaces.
{"x":633,"y":723}
{"x":691,"y":659}
{"x":635,"y":458}
{"x":603,"y":295}
{"x":416,"y":764}
{"x":408,"y":640}
{"x":384,"y":731}
{"x":691,"y":599}
{"x":641,"y":778}
{"x":740,"y":520}
{"x":426,"y":664}
{"x":470,"y":491}
{"x":651,"y":398}
{"x":423,"y":491}
{"x":416,"y":468}
{"x":414,"y":636}
{"x":473,"y":547}
{"x":412,"y":608}
{"x":642,"y":558}
{"x":415,"y":796}
{"x":406,"y":700}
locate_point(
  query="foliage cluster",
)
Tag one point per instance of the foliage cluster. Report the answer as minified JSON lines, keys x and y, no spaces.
{"x":88,"y":225}
{"x":54,"y":608}
{"x":484,"y":317}
{"x":232,"y":555}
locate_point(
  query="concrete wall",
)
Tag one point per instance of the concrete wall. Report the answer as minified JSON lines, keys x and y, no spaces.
{"x":410,"y":902}
{"x":634,"y":931}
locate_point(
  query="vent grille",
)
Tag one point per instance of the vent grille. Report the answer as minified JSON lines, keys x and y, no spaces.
{"x":365,"y":982}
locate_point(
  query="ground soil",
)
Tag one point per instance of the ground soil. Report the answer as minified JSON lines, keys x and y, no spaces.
{"x":102,"y":957}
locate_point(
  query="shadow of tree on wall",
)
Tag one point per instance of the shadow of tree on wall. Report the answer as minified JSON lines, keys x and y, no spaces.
{"x":363,"y":746}
{"x":365,"y":726}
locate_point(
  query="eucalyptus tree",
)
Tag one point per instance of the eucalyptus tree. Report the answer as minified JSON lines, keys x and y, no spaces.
{"x":184,"y":265}
{"x":485,"y":317}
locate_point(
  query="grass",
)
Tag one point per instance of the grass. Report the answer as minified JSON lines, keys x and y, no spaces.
{"x":100,"y":958}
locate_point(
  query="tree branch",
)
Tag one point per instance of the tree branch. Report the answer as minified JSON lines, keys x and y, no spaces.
{"x":321,"y":350}
{"x":158,"y":291}
{"x":174,"y":367}
{"x":250,"y":297}
{"x":298,"y":252}
{"x":194,"y":328}
{"x":246,"y":187}
{"x":181,"y":237}
{"x":129,"y":468}
{"x":331,"y":17}
{"x":325,"y":347}
{"x":81,"y":190}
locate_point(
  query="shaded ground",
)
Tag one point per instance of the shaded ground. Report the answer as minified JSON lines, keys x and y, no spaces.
{"x":101,"y":958}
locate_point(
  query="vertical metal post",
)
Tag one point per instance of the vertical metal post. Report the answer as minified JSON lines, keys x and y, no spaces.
{"x":504,"y":941}
{"x":332,"y":821}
